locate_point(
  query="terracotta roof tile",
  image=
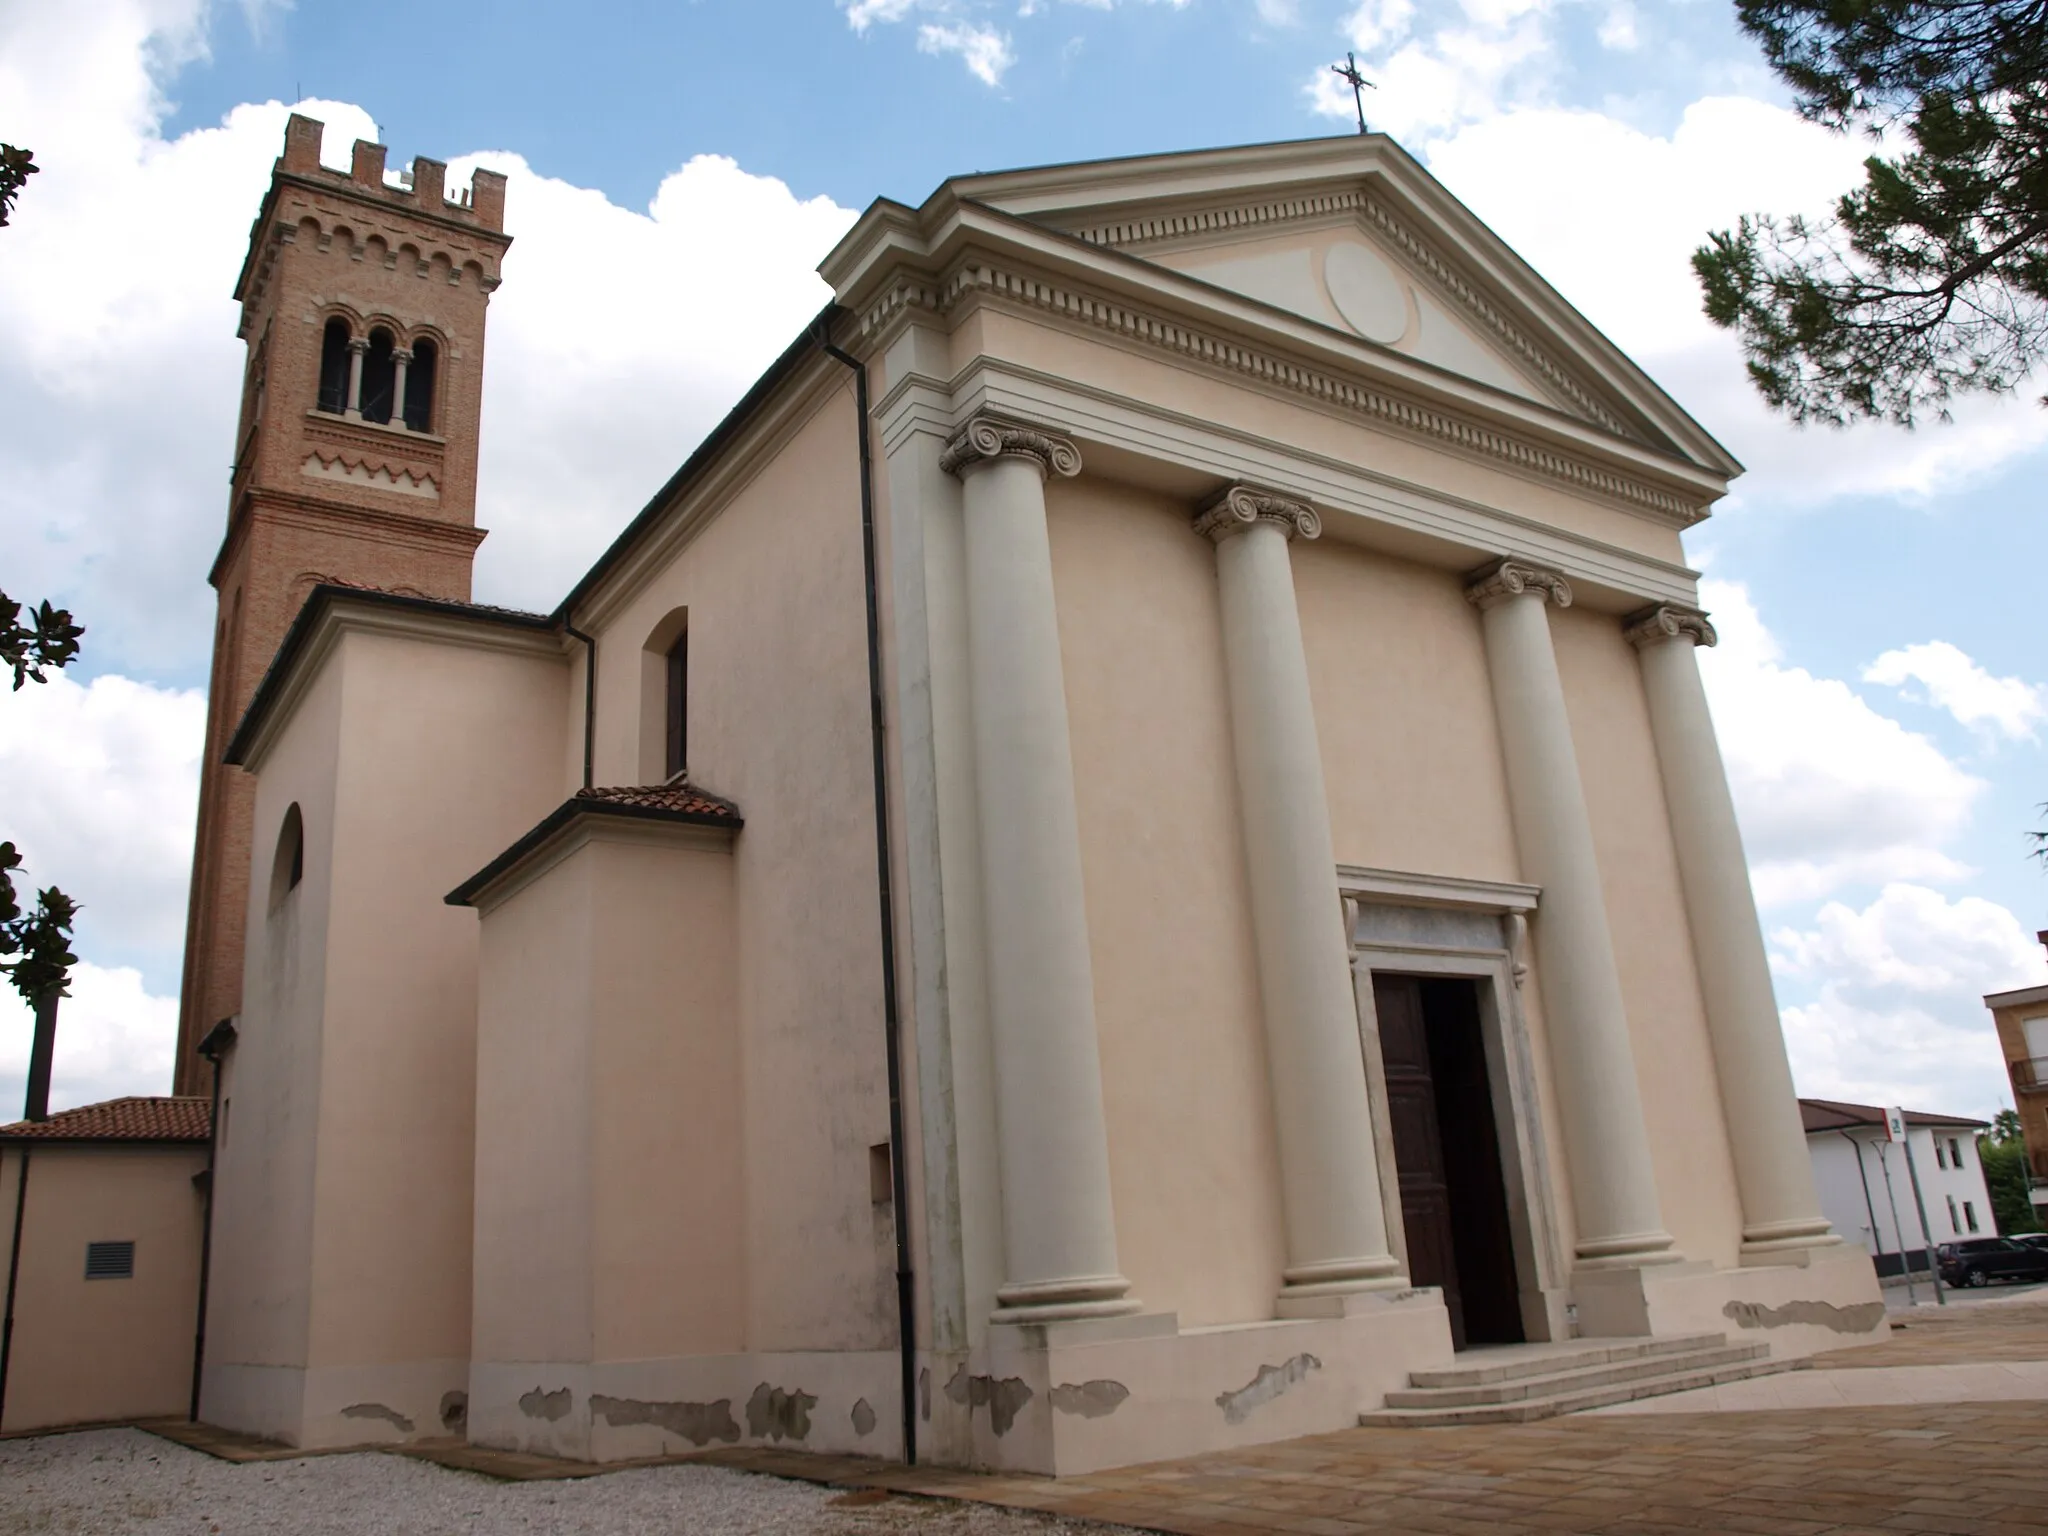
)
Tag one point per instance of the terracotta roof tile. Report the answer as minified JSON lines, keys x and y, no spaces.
{"x":665,"y":797}
{"x":131,"y":1119}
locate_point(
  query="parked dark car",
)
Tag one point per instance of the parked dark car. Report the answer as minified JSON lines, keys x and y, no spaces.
{"x":1981,"y":1260}
{"x":2032,"y":1240}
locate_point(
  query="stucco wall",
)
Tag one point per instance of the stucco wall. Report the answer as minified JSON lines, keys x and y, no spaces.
{"x":778,"y":722}
{"x":259,"y":1300}
{"x":1842,"y":1190}
{"x":84,"y":1350}
{"x":1193,"y":1163}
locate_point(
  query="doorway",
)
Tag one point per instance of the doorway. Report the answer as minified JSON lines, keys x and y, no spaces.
{"x":1454,"y":1208}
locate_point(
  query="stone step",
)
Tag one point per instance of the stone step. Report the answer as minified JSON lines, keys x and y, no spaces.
{"x":1483,"y":1369}
{"x":1555,"y":1383}
{"x":1577,"y":1401}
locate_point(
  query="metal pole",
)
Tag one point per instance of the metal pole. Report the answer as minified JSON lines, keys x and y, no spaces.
{"x":1898,"y":1228}
{"x":1926,"y":1236}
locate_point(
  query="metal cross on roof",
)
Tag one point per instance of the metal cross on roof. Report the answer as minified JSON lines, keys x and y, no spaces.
{"x":1348,"y":72}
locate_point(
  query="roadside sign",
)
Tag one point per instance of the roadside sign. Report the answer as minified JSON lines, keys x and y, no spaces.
{"x":1895,"y":1124}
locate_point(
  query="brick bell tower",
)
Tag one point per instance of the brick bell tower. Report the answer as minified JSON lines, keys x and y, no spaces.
{"x":355,"y":461}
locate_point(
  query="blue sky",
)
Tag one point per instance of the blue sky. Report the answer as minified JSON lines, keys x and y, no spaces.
{"x":677,"y":171}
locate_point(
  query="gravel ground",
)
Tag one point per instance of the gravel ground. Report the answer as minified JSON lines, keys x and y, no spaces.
{"x":122,"y":1482}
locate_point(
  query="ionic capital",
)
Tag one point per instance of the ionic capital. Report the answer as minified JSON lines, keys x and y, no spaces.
{"x":1244,"y":506}
{"x":986,"y":438}
{"x":1668,"y":621}
{"x":1509,"y":577}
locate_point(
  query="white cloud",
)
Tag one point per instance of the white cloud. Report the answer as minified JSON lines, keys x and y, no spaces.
{"x":1277,"y":13}
{"x":1898,"y":1013}
{"x":1610,"y":215}
{"x":113,"y":1038}
{"x":1950,"y":680}
{"x":862,"y":14}
{"x":985,"y":51}
{"x":1618,"y":29}
{"x":1830,"y":792}
{"x":101,"y":788}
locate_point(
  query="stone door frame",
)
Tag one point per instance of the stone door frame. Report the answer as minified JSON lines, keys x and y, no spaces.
{"x":1430,"y":925}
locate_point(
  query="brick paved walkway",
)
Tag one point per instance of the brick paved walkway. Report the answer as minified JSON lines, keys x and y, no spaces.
{"x":1972,"y":1469}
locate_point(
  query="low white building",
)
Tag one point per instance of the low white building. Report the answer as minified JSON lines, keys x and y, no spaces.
{"x":1866,"y":1189}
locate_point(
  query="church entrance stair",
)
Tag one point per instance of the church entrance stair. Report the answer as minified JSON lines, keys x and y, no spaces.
{"x":1516,"y":1383}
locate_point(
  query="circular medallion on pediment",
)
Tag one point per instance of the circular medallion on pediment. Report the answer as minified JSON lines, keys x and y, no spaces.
{"x":1367,"y":292}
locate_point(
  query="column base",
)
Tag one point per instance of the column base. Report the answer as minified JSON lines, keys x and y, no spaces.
{"x":1788,"y":1242}
{"x":1067,"y":1300}
{"x":1828,"y":1302}
{"x":1631,"y":1250}
{"x":1342,"y":1277}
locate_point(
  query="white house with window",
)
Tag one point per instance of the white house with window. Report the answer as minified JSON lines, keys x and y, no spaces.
{"x":1866,"y":1188}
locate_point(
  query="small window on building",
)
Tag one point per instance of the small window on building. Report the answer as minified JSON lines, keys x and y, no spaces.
{"x":380,"y":376}
{"x":1955,"y":1222}
{"x":288,"y":865}
{"x":419,"y":386}
{"x":677,"y":696}
{"x":1955,"y":1153}
{"x":1970,"y":1214}
{"x":110,"y":1261}
{"x":1940,"y":1157}
{"x":334,"y":367}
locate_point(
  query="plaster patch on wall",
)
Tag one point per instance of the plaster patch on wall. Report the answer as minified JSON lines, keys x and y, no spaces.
{"x":1864,"y":1317}
{"x":1003,"y":1399}
{"x":863,"y":1418}
{"x":454,"y":1412}
{"x":1271,"y":1381}
{"x":1091,"y":1399}
{"x":924,"y":1393}
{"x":380,"y":1413}
{"x":779,"y":1415}
{"x":698,"y":1423}
{"x":547,"y":1405}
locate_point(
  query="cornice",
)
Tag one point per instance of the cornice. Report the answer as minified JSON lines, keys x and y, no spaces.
{"x":979,"y":280}
{"x":577,"y":824}
{"x":1408,"y":888}
{"x":1244,"y":506}
{"x":1509,"y":578}
{"x":1668,"y":621}
{"x":348,"y":518}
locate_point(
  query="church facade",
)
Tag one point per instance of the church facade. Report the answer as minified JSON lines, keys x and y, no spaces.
{"x":1129,"y":853}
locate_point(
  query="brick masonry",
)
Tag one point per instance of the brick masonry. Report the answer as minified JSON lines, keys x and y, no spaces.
{"x":317,"y":496}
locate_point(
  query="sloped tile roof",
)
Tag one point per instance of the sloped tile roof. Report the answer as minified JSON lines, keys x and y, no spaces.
{"x":665,"y":797}
{"x":130,"y":1119}
{"x":1836,"y":1114}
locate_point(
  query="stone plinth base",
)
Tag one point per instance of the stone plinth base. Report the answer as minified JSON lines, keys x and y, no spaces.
{"x":1828,"y":1301}
{"x":1075,"y":1398}
{"x":334,"y":1405}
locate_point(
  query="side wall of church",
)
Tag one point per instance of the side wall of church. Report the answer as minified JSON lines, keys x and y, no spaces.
{"x":260,"y":1299}
{"x":773,"y":588}
{"x":414,"y":760}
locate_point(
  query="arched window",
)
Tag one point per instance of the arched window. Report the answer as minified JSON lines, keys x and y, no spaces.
{"x":334,"y":366}
{"x":288,"y":864}
{"x":419,"y":386}
{"x":380,"y":376}
{"x":676,"y":697}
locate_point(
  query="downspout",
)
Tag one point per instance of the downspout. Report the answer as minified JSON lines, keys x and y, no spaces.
{"x":217,"y":1043}
{"x":41,"y":1050}
{"x":589,"y":702}
{"x":899,"y":1190}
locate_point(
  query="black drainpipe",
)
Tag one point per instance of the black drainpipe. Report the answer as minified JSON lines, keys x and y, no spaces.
{"x":216,"y":1045}
{"x":899,"y":1192}
{"x":589,"y":701}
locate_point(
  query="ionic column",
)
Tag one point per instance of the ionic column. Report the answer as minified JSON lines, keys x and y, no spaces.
{"x":1780,"y":1207}
{"x":357,"y":347}
{"x":1614,"y":1189}
{"x":401,"y":360}
{"x":1330,"y":1189}
{"x":1059,"y":1233}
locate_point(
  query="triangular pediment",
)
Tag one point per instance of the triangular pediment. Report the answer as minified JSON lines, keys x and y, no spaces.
{"x":1355,"y":236}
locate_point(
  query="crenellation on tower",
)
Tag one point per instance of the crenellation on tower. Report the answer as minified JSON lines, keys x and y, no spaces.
{"x":363,"y":307}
